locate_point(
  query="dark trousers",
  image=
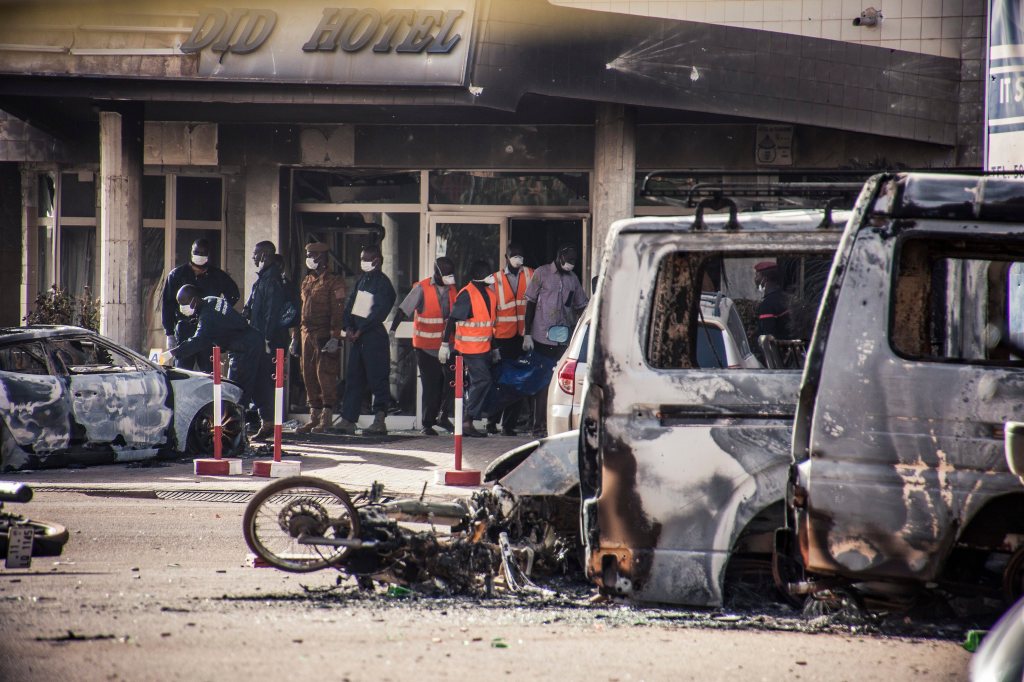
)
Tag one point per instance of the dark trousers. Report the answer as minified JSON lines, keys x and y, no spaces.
{"x":250,"y":367}
{"x":437,"y":389}
{"x":369,"y":364}
{"x":478,"y":370}
{"x":509,"y":349}
{"x":202,"y":360}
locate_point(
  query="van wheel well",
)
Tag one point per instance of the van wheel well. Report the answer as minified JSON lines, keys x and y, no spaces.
{"x":989,"y":527}
{"x":748,"y":573}
{"x":983,"y":558}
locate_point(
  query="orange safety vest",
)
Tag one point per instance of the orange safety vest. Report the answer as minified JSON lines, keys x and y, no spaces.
{"x":473,"y":336}
{"x":428,"y":326}
{"x":510,"y":318}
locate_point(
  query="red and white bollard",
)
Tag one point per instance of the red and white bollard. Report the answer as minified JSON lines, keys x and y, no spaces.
{"x":218,"y":466}
{"x":459,"y":476}
{"x":276,"y":468}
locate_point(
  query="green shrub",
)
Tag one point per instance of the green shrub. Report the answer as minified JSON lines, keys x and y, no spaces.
{"x":57,"y":306}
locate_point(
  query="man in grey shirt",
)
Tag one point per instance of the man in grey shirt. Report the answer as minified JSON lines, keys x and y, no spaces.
{"x":429,"y":303}
{"x":554,"y":299}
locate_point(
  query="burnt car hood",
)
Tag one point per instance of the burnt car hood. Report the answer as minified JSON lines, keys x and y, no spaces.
{"x":548,"y":466}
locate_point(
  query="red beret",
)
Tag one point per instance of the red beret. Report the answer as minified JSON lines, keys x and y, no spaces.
{"x":765,"y":265}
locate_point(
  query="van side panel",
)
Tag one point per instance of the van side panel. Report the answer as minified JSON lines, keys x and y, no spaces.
{"x":903,"y":452}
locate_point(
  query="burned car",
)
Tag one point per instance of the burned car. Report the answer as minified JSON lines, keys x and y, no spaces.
{"x":68,"y":395}
{"x":685,"y":439}
{"x":905,"y":411}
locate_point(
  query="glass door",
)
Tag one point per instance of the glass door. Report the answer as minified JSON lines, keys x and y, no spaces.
{"x":465,"y":239}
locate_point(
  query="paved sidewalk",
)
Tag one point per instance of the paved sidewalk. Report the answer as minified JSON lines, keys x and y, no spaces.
{"x":403,"y":461}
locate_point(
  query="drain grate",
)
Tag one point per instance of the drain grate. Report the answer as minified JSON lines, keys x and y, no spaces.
{"x":232,"y":496}
{"x":240,"y":497}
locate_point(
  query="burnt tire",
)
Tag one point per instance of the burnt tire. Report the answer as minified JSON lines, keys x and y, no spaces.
{"x":299,"y":507}
{"x":48,"y":538}
{"x":199,"y":440}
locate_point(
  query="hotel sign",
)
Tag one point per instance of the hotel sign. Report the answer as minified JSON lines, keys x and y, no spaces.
{"x":413,"y":43}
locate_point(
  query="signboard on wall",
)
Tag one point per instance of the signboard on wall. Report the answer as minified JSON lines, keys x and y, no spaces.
{"x":1004,"y":98}
{"x":774,"y":145}
{"x":418,"y":42}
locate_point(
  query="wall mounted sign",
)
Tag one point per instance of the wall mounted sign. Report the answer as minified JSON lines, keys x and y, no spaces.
{"x":369,"y":43}
{"x":774,"y":146}
{"x":1004,"y":140}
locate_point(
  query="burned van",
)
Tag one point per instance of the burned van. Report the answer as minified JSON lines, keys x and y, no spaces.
{"x":899,"y":442}
{"x":696,"y":356}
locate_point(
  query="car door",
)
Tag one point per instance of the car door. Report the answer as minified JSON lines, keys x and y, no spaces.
{"x":33,"y":402}
{"x":116,"y":399}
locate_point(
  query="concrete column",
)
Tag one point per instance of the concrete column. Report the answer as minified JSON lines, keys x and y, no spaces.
{"x":120,"y":225}
{"x":262,"y":214}
{"x":614,"y":172}
{"x":30,"y":264}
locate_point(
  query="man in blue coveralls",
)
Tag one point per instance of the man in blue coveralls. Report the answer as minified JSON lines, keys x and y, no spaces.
{"x":248,"y":363}
{"x":369,"y":359}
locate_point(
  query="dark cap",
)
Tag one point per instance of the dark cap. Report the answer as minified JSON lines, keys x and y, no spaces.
{"x":765,"y":265}
{"x":317,"y":247}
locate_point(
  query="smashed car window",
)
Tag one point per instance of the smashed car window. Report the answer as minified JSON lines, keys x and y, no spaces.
{"x":955,"y":302}
{"x":79,"y":356}
{"x":23,"y":359}
{"x":753,"y":310}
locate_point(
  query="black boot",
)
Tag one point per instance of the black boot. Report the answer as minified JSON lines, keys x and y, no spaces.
{"x":470,"y":431}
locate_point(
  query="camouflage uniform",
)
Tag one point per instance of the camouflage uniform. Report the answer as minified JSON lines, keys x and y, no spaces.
{"x":323,"y":304}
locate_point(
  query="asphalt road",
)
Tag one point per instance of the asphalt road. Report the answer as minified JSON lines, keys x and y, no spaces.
{"x":158,"y":590}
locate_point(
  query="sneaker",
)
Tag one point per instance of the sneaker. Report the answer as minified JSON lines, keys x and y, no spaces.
{"x":428,"y":431}
{"x":492,"y":428}
{"x":446,"y":424}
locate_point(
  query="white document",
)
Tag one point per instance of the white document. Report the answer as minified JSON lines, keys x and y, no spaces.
{"x":19,"y":547}
{"x":363,"y":303}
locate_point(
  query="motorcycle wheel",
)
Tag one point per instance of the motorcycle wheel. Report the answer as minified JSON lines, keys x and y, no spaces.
{"x":291,"y":508}
{"x":48,"y":538}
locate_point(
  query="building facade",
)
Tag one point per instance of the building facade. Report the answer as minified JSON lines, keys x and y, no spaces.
{"x":130,"y":129}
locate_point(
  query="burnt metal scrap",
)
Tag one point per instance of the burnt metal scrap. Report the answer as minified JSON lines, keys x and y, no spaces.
{"x":491,"y":541}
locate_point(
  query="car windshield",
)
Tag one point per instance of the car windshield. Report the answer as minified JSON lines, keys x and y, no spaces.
{"x":87,"y":356}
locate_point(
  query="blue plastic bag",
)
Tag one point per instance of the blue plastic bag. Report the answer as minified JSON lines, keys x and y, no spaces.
{"x":529,"y":374}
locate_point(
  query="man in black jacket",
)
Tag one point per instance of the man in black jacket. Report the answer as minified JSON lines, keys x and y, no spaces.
{"x":211,"y":281}
{"x":271,"y":308}
{"x":218,"y":324}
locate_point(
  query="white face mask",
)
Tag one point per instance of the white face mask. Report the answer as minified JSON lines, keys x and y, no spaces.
{"x":489,"y":279}
{"x":448,"y":280}
{"x":199,"y":260}
{"x":760,"y":287}
{"x":187,"y":310}
{"x":515,"y":262}
{"x":568,"y":266}
{"x":366,"y":265}
{"x":311,"y":263}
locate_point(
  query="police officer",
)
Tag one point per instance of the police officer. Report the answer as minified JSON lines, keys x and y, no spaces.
{"x":772,"y":309}
{"x":323,"y":300}
{"x":472,"y":321}
{"x":218,"y":324}
{"x":270,"y":308}
{"x":510,"y":325}
{"x":211,"y":281}
{"x":429,"y":303}
{"x":369,"y":360}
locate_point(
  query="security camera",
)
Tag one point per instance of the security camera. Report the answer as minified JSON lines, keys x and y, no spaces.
{"x":869,"y":17}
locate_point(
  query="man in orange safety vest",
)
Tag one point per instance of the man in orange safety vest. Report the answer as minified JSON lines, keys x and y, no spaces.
{"x":429,"y":304}
{"x":472,"y":321}
{"x":510,"y":326}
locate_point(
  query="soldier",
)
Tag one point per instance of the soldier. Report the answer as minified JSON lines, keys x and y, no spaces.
{"x":323,"y":300}
{"x":218,"y":324}
{"x":211,"y":281}
{"x":369,"y":360}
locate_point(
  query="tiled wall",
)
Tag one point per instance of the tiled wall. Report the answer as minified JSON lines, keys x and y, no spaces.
{"x":948,"y":28}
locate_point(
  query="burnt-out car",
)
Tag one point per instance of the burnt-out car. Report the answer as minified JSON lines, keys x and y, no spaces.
{"x":68,"y":395}
{"x":908,"y":403}
{"x":684,"y":449}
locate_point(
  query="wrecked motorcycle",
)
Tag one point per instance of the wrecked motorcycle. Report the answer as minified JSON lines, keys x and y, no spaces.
{"x":303,"y":524}
{"x":48,"y":539}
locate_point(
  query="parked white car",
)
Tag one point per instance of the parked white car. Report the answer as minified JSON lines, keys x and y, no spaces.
{"x":565,"y":392}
